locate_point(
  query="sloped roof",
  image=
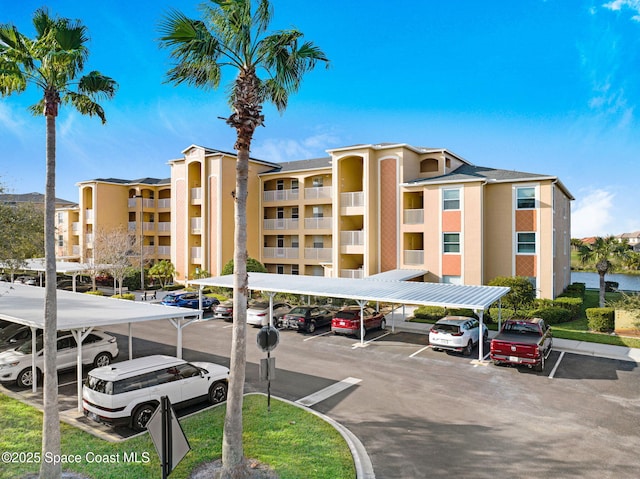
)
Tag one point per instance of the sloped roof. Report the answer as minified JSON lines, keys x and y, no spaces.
{"x":299,"y":165}
{"x":139,"y":181}
{"x":35,"y":198}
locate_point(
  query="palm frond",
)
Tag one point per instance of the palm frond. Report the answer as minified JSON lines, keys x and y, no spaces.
{"x":85,"y":105}
{"x":97,"y":85}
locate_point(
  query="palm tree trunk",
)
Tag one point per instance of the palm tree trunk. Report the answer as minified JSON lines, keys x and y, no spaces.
{"x":51,"y":422}
{"x":602,"y":288}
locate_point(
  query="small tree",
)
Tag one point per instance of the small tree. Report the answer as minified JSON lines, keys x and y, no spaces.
{"x":602,"y":254}
{"x":253,"y":266}
{"x":114,"y":249}
{"x":522,"y":291}
{"x":22,"y":235}
{"x":163,"y":271}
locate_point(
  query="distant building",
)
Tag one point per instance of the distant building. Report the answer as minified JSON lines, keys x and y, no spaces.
{"x":31,"y":198}
{"x":633,"y":239}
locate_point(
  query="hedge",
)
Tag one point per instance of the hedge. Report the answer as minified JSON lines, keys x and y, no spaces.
{"x":429,"y":313}
{"x":128,"y":296}
{"x":573,"y":305}
{"x":600,"y":319}
{"x":551,"y":315}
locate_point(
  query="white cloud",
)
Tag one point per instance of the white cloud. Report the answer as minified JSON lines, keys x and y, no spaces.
{"x":13,"y":121}
{"x":286,"y":149}
{"x":592,"y":214}
{"x":618,"y":5}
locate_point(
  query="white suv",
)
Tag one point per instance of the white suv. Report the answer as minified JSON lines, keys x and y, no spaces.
{"x":457,"y":333}
{"x":127,"y":393}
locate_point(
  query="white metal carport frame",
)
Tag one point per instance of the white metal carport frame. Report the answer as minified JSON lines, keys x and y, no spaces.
{"x":80,"y":313}
{"x":476,"y":298}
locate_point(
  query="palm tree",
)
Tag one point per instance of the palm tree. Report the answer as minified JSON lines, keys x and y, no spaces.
{"x":600,"y":254}
{"x":53,"y":62}
{"x":233,"y":34}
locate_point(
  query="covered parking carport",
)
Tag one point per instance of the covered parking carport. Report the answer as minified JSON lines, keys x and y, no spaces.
{"x":37,"y":265}
{"x":476,"y":298}
{"x":81,"y":313}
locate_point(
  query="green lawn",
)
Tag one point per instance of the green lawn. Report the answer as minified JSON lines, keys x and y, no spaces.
{"x":292,"y":441}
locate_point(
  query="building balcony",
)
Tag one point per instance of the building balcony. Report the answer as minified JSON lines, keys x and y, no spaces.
{"x":148,"y":251}
{"x":132,"y":202}
{"x":352,"y":199}
{"x":196,"y":225}
{"x":323,"y":223}
{"x":352,"y":273}
{"x":88,"y":238}
{"x":164,"y":226}
{"x":413,"y":217}
{"x":75,"y":249}
{"x":196,"y":196}
{"x":280,"y":253}
{"x":352,"y":238}
{"x":280,"y":195}
{"x":281,"y":224}
{"x":88,"y":215}
{"x":414,"y":256}
{"x":319,"y":254}
{"x":164,"y":203}
{"x":75,"y":227}
{"x":132,"y":225}
{"x":196,"y":253}
{"x":164,"y":251}
{"x":317,"y":193}
{"x":149,"y":226}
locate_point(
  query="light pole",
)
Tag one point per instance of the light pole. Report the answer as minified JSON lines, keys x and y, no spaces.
{"x":141,"y":241}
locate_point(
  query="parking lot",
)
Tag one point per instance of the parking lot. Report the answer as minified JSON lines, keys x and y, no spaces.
{"x":422,"y":413}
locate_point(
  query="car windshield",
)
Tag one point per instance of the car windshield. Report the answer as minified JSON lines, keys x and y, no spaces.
{"x":170,"y":298}
{"x":99,"y":385}
{"x":298,"y":310}
{"x":446,"y":328}
{"x":521,"y":328}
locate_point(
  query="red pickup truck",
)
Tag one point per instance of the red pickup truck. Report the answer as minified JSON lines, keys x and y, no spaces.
{"x":526,"y":342}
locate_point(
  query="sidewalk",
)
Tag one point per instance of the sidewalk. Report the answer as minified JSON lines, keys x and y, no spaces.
{"x":620,"y":353}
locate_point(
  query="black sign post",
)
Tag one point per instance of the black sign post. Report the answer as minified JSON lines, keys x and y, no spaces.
{"x":268,"y":338}
{"x":167,"y":436}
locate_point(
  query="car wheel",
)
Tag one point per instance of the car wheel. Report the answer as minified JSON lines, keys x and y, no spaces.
{"x":468,"y":350}
{"x":540,"y":367}
{"x":141,"y":416}
{"x":218,"y":392}
{"x":102,"y":359}
{"x":383,"y":324}
{"x":312,"y":326}
{"x":25,"y":378}
{"x":277,"y":322}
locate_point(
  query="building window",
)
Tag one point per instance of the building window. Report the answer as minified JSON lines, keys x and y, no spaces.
{"x":429,"y":165}
{"x":279,"y":269}
{"x":295,"y":269}
{"x":60,"y":218}
{"x":318,"y":212}
{"x":451,"y":199}
{"x":526,"y":243}
{"x":280,"y":241}
{"x":60,"y":240}
{"x":294,"y":212}
{"x":318,"y":242}
{"x":294,"y":184}
{"x":526,"y":198}
{"x":279,"y":185}
{"x":295,"y":242}
{"x":280,"y":213}
{"x":317,"y":182}
{"x":451,"y":280}
{"x":451,"y":242}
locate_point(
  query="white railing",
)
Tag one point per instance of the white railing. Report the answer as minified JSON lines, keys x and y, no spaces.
{"x":285,"y":253}
{"x":196,"y":225}
{"x":351,"y":273}
{"x":164,"y":203}
{"x":196,"y":252}
{"x":75,"y":249}
{"x":196,"y":193}
{"x":318,"y":223}
{"x":131,"y":202}
{"x":351,"y":238}
{"x":75,"y":226}
{"x":413,"y":256}
{"x":280,"y":195}
{"x":322,"y":254}
{"x":148,"y":203}
{"x":355,"y":198}
{"x":164,"y":226}
{"x":132,"y":225}
{"x":164,"y":250}
{"x":88,"y":238}
{"x":281,"y":224}
{"x":317,"y":192}
{"x":88,"y":214}
{"x":149,"y":226}
{"x":413,"y":217}
{"x":148,"y":250}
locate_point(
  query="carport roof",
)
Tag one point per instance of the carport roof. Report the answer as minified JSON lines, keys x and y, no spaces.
{"x":25,"y":305}
{"x":399,"y":292}
{"x":64,"y":267}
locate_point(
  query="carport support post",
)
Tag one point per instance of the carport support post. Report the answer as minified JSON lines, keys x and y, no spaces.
{"x":34,"y":370}
{"x":130,"y":341}
{"x":480,"y":313}
{"x":79,"y":335}
{"x":393,"y":318}
{"x":200,"y":290}
{"x":362,"y":304}
{"x":271,"y":294}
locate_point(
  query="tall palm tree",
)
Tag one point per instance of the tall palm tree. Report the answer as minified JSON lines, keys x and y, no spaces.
{"x":52,"y":61}
{"x":268,"y":68}
{"x":601,"y":254}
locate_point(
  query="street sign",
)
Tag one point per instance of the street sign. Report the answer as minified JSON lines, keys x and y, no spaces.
{"x":268,"y":338}
{"x":167,"y":436}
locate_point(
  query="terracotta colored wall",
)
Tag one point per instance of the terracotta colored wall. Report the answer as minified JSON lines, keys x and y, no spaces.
{"x":388,"y":215}
{"x":526,"y":265}
{"x":526,"y":220}
{"x":451,"y":264}
{"x":451,"y":222}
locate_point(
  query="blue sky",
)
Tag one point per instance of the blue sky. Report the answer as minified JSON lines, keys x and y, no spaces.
{"x":539,"y":86}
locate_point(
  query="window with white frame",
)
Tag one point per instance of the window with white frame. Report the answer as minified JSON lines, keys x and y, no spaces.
{"x":526,"y":197}
{"x":317,"y":212}
{"x":295,"y":269}
{"x":295,"y":242}
{"x":451,"y":242}
{"x":318,"y":242}
{"x":526,"y":243}
{"x":279,"y":269}
{"x":451,"y":199}
{"x":447,"y":279}
{"x":60,"y":240}
{"x":317,"y":181}
{"x":294,"y":213}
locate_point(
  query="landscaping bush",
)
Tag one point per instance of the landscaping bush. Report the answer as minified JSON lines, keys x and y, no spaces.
{"x":575,"y":290}
{"x":521,"y":294}
{"x":600,"y":319}
{"x":468,"y":313}
{"x":429,"y":313}
{"x":551,"y":315}
{"x":95,"y":293}
{"x":173,"y":287}
{"x":129,"y":296}
{"x":573,"y":305}
{"x":505,"y":313}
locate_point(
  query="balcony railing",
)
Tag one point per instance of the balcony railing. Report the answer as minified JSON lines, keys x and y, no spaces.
{"x":317,"y":192}
{"x":149,"y":250}
{"x":164,"y":250}
{"x":323,"y":223}
{"x":284,"y":253}
{"x":196,"y":195}
{"x":413,"y":256}
{"x":164,"y":226}
{"x":75,"y":249}
{"x":196,"y":225}
{"x":352,"y":273}
{"x":131,"y":202}
{"x":280,"y":195}
{"x":132,"y":225}
{"x":321,"y":254}
{"x":281,"y":224}
{"x":414,"y":217}
{"x":88,"y":214}
{"x":351,"y":238}
{"x":75,"y":226}
{"x":88,"y":237}
{"x":355,"y":198}
{"x":164,"y":203}
{"x":149,"y":226}
{"x":196,"y":252}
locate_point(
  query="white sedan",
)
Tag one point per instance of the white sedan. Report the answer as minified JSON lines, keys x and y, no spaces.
{"x":456,"y":333}
{"x":258,"y":313}
{"x":98,"y":348}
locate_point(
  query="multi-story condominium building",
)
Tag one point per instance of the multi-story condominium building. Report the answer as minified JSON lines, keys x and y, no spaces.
{"x":142,"y":207}
{"x":367,"y":209}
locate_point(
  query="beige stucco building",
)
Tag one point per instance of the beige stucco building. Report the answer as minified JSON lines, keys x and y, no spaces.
{"x":362,"y":210}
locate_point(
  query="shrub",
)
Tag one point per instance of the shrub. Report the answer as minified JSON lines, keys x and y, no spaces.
{"x":128,"y":296}
{"x":95,"y":293}
{"x":573,"y":305}
{"x":551,"y":315}
{"x":429,"y":313}
{"x":521,"y":294}
{"x":173,"y":287}
{"x":468,"y":313}
{"x":575,"y":290}
{"x":600,"y":319}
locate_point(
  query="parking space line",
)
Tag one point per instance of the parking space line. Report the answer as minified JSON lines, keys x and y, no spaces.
{"x":327,"y":392}
{"x":555,"y":368}
{"x":316,"y":336}
{"x":366,"y":343}
{"x":419,"y":351}
{"x":70,"y":383}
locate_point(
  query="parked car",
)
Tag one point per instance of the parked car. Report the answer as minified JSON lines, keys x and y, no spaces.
{"x":457,"y":333}
{"x":224,"y":311}
{"x":347,"y":320}
{"x":67,"y":285}
{"x":29,"y":280}
{"x":128,"y":392}
{"x":190,"y":300}
{"x":526,"y":342}
{"x":258,"y":313}
{"x":307,"y":318}
{"x":14,"y":334}
{"x":98,"y":348}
